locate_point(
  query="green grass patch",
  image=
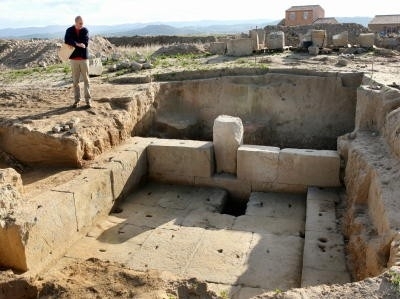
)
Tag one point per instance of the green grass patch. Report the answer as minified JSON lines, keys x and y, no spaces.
{"x":395,"y":280}
{"x":224,"y":295}
{"x":63,"y":68}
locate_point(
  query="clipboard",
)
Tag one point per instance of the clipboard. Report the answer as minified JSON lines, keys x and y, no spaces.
{"x":65,"y":51}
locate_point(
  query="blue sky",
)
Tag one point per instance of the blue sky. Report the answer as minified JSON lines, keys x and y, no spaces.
{"x":22,"y":13}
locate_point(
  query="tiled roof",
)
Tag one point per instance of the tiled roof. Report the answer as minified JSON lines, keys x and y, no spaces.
{"x":386,"y":19}
{"x":326,"y":21}
{"x":303,"y":7}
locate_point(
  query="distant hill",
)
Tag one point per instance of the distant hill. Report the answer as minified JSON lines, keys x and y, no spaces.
{"x":159,"y":30}
{"x":171,"y":28}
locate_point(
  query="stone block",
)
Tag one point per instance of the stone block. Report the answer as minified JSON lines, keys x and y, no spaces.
{"x":43,"y":229}
{"x":172,"y":179}
{"x":313,"y":50}
{"x":218,"y":48}
{"x":116,"y":243}
{"x":239,"y":189}
{"x":208,"y":220}
{"x":95,"y":67}
{"x":281,"y":205}
{"x":309,"y":167}
{"x":239,"y":47}
{"x":220,"y":256}
{"x":366,"y":40}
{"x":93,"y":196}
{"x":277,"y":187}
{"x":275,"y":40}
{"x":227,"y":137}
{"x":208,"y":199}
{"x":128,"y":165}
{"x":273,"y":225}
{"x":321,"y":214}
{"x":341,"y":39}
{"x":319,"y":38}
{"x":167,"y":250}
{"x":153,"y":216}
{"x":180,"y":158}
{"x":54,"y":229}
{"x":313,"y":277}
{"x":122,"y":167}
{"x":257,"y":163}
{"x":324,"y":251}
{"x":273,"y":262}
{"x":12,"y":250}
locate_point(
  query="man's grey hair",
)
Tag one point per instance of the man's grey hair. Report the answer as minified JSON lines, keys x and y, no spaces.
{"x":78,"y":18}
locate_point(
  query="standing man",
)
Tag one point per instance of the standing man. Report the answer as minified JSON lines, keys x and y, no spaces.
{"x":78,"y":37}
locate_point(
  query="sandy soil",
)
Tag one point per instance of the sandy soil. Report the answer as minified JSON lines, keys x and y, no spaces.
{"x":92,"y":278}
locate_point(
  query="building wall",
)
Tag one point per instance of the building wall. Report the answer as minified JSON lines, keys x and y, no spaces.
{"x":386,"y":28}
{"x":303,"y":17}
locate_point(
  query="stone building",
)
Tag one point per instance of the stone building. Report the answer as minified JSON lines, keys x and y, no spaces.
{"x":303,"y":15}
{"x":385,"y":24}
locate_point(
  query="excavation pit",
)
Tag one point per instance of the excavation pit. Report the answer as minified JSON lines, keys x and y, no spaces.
{"x":287,"y":182}
{"x":293,"y":109}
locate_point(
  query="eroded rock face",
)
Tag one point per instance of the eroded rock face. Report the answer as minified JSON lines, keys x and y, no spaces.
{"x":11,"y":190}
{"x":9,"y":176}
{"x":11,"y":235}
{"x":30,"y":137}
{"x":372,"y":178}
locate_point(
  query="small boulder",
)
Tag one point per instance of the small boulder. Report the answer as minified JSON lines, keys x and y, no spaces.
{"x":147,"y":65}
{"x":136,"y":66}
{"x":313,"y":50}
{"x":56,"y":129}
{"x":342,"y":62}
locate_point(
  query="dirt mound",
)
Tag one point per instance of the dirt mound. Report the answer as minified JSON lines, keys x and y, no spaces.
{"x":101,"y":279}
{"x":17,"y":54}
{"x":179,"y":49}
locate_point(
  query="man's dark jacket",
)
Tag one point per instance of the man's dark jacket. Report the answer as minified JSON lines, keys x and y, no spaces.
{"x":72,"y":38}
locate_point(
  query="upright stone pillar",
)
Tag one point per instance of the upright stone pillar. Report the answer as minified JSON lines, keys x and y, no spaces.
{"x":227,"y":137}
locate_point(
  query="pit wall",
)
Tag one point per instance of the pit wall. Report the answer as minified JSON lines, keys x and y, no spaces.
{"x":305,"y":110}
{"x":372,"y":175}
{"x":45,"y":226}
{"x":130,"y":116}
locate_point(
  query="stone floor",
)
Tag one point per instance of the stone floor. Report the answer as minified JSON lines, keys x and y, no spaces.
{"x":181,"y":230}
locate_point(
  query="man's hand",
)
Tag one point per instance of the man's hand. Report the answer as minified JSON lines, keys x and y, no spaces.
{"x":81,"y":45}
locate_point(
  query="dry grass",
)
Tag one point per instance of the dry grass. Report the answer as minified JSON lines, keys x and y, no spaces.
{"x":135,"y":52}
